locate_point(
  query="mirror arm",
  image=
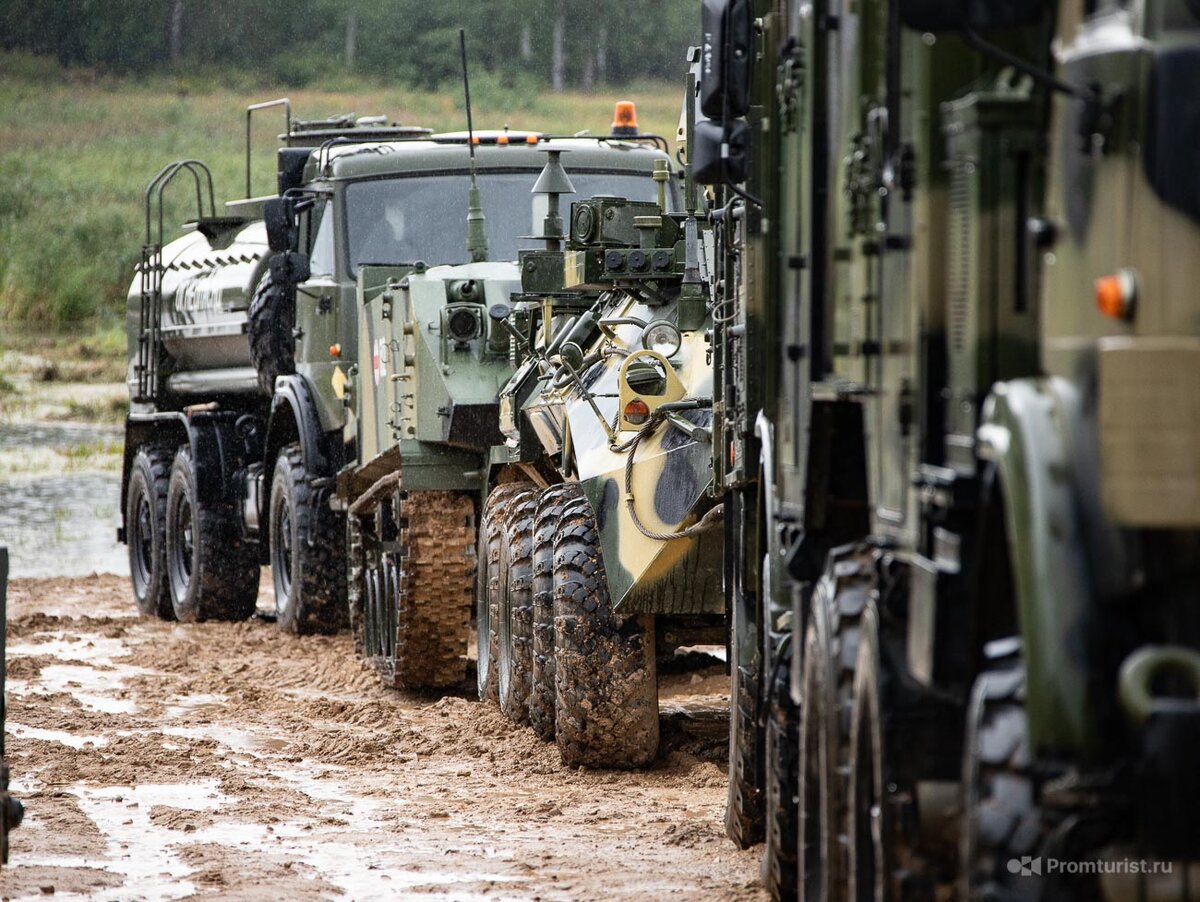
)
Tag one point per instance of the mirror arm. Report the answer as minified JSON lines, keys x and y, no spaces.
{"x":1041,"y":76}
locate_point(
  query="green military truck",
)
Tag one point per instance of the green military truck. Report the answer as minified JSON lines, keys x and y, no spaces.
{"x":435,"y":347}
{"x":958,"y":444}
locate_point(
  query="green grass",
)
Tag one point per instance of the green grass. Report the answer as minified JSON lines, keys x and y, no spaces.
{"x":76,"y":152}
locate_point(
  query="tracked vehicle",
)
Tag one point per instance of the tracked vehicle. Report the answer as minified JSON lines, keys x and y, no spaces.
{"x":603,"y":546}
{"x":959,"y":375}
{"x":435,"y":348}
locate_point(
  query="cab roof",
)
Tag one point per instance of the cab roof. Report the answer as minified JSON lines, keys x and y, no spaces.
{"x":449,"y":152}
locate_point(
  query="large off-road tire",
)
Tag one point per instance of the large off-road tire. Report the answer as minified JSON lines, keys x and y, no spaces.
{"x":146,"y":530}
{"x":836,"y":613}
{"x":308,"y":560}
{"x":606,"y":712}
{"x":270,"y":324}
{"x":429,"y":592}
{"x":541,"y":692}
{"x":212,"y":570}
{"x":515,"y":623}
{"x":782,"y":774}
{"x":1003,"y":827}
{"x":871,"y":832}
{"x":744,"y":822}
{"x":356,"y":585}
{"x":490,"y":586}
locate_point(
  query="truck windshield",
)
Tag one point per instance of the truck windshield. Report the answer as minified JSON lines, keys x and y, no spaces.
{"x":403,"y":220}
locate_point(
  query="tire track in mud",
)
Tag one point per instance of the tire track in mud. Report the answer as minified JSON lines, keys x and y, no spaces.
{"x":159,"y":760}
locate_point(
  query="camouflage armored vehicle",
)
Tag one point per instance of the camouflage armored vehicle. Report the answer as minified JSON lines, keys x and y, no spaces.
{"x":600,"y":544}
{"x":435,"y":347}
{"x":958,"y":444}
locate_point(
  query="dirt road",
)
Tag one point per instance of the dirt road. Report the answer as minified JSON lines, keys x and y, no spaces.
{"x":161,"y":761}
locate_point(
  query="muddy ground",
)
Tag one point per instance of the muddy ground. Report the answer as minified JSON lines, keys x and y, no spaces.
{"x":161,"y":761}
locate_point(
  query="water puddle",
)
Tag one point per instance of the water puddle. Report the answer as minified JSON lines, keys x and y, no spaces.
{"x":62,"y":524}
{"x":72,"y":740}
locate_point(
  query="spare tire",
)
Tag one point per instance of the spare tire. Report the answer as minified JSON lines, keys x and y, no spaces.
{"x":272,"y":319}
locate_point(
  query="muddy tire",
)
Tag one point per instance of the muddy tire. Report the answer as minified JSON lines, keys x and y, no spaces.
{"x":146,"y":531}
{"x":431,"y":590}
{"x":744,"y":801}
{"x":781,"y":813}
{"x":541,"y":691}
{"x":490,"y":581}
{"x":308,"y":563}
{"x":870,"y":830}
{"x":271,"y":320}
{"x":212,"y":570}
{"x":356,"y":586}
{"x":1003,"y":823}
{"x":515,"y":623}
{"x":606,"y":712}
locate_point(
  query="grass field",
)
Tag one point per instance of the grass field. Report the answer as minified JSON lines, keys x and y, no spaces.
{"x":76,"y":152}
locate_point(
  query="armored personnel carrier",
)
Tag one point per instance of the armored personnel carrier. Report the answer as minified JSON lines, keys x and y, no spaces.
{"x":241,"y":333}
{"x":958,"y":444}
{"x":600,"y":544}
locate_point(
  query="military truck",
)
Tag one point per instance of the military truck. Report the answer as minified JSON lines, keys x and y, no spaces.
{"x":600,"y":545}
{"x":957,"y":444}
{"x":435,"y":348}
{"x":240,"y":335}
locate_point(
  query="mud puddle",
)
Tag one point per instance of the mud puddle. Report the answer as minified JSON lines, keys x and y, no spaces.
{"x":160,"y":761}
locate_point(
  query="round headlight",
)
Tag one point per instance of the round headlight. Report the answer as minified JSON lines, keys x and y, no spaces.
{"x":663,"y":337}
{"x":463,"y":324}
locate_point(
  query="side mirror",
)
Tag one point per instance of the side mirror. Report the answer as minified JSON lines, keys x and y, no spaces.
{"x":279,"y":216}
{"x":290,"y":268}
{"x":727,"y":51}
{"x":977,"y":15}
{"x":712,"y":140}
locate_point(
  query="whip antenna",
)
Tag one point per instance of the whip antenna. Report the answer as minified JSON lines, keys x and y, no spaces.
{"x":477,"y":245}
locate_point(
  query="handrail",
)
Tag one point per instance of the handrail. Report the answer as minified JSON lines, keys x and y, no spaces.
{"x":265,"y":105}
{"x":151,"y":272}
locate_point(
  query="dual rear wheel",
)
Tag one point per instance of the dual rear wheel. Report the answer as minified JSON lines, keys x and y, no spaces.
{"x":551,"y":649}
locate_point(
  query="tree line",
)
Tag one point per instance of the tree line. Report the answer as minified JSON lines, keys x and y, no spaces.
{"x":560,"y":44}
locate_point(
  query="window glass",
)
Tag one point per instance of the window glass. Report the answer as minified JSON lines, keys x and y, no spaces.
{"x":322,"y":262}
{"x":403,"y":220}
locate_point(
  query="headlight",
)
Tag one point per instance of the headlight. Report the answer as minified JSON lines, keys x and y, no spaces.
{"x":463,"y":323}
{"x":663,"y":337}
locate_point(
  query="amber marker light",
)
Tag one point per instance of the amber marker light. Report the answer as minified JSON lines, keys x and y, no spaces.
{"x":1116,"y":293}
{"x":637,"y":412}
{"x":625,"y":119}
{"x":501,"y":139}
{"x":531,"y":139}
{"x":335,"y":351}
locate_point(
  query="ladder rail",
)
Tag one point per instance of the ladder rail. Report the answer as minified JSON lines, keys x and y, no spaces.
{"x":151,"y":269}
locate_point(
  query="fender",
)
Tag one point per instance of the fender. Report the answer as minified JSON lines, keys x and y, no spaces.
{"x":294,"y":416}
{"x":218,"y":451}
{"x":1064,"y":555}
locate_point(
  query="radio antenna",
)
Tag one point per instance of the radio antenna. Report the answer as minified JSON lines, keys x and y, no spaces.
{"x":477,"y":245}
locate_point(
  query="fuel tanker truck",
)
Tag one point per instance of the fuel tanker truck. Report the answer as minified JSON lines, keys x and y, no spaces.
{"x":959,"y":361}
{"x":600,"y":545}
{"x":242,"y":333}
